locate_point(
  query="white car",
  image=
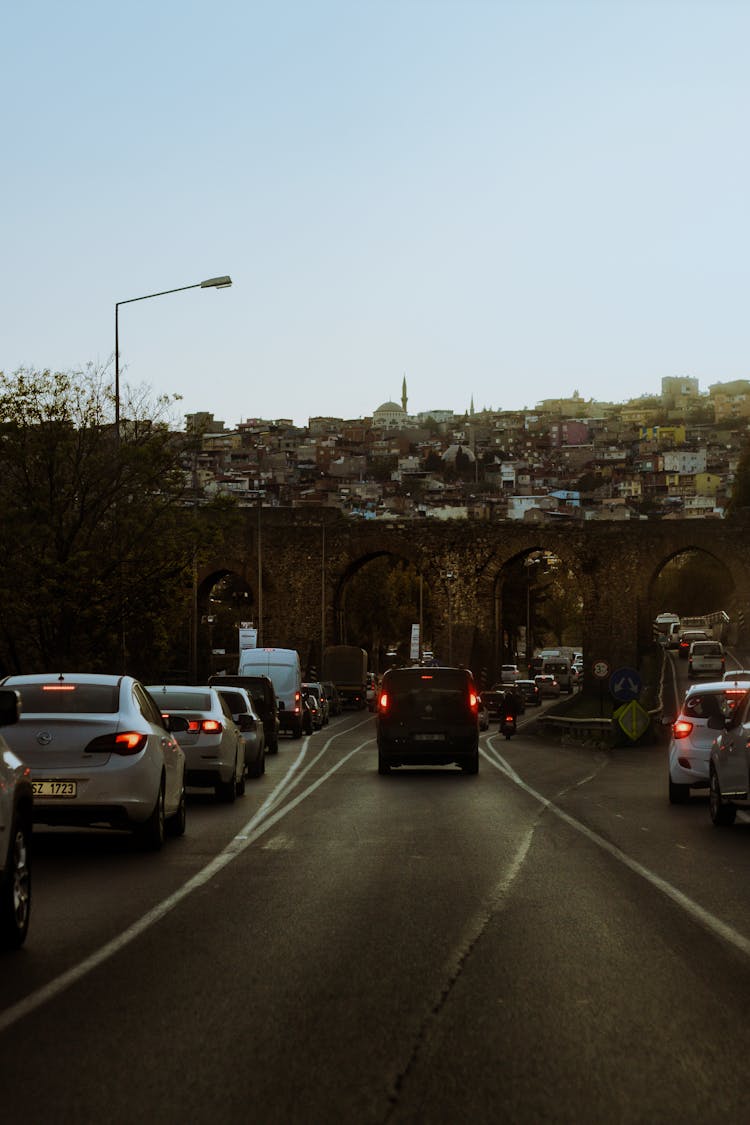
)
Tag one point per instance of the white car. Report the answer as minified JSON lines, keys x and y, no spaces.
{"x":16,"y":800}
{"x":251,"y":725}
{"x":315,"y":688}
{"x":213,"y":746}
{"x":509,"y":673}
{"x":100,"y":754}
{"x":729,"y":776}
{"x":704,"y":710}
{"x":738,"y":675}
{"x":706,"y":658}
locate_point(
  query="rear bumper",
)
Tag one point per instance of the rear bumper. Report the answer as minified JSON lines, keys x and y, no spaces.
{"x":409,"y":749}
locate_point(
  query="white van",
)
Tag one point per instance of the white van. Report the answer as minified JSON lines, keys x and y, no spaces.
{"x":560,"y":668}
{"x":282,"y":667}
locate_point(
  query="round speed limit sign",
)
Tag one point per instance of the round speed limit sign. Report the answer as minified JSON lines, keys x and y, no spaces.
{"x":601,"y":669}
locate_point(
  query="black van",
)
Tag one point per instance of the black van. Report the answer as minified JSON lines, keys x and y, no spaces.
{"x":428,"y":716}
{"x":261,"y":691}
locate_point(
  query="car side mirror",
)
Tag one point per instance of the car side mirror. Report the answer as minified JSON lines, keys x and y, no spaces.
{"x":176,"y":723}
{"x":10,"y":706}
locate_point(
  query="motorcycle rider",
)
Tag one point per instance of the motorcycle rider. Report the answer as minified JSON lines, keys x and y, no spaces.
{"x":510,"y":707}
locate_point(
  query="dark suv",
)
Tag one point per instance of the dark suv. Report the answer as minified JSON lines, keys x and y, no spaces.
{"x":261,"y":691}
{"x":428,"y":716}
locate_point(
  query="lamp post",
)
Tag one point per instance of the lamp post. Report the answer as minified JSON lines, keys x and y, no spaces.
{"x":529,"y":563}
{"x":322,"y":596}
{"x":449,"y":576}
{"x":209,"y":283}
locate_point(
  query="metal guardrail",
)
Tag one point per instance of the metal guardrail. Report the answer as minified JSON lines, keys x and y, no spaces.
{"x":577,"y":729}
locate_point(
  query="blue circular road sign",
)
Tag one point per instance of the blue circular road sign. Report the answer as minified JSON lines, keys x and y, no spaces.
{"x":625,"y":684}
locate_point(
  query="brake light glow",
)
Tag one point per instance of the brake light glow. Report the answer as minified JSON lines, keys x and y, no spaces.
{"x":383,"y":702}
{"x":681,"y":729}
{"x":124,"y":742}
{"x":130,"y":742}
{"x":206,"y":726}
{"x":59,"y":687}
{"x":473,"y":701}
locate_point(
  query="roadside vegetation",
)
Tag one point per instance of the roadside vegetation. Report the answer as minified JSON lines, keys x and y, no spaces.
{"x":97,"y":536}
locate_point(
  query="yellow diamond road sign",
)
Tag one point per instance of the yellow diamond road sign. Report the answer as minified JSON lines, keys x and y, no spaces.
{"x":633,"y":719}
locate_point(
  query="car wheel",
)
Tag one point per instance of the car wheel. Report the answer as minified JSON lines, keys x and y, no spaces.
{"x":678,"y":794}
{"x":240,"y":783}
{"x":273,"y":746}
{"x":297,"y":730}
{"x":15,"y":888}
{"x":175,"y":825}
{"x":256,"y":768}
{"x":383,"y":765}
{"x":150,"y":834}
{"x":226,"y":791}
{"x":471,"y":764}
{"x":722,"y":812}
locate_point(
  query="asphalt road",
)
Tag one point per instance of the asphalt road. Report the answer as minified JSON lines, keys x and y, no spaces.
{"x":547,"y":941}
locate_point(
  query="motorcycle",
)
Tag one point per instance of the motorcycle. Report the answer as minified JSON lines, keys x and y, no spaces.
{"x":508,"y":726}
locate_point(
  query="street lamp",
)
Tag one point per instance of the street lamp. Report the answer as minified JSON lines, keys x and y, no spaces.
{"x":209,"y":283}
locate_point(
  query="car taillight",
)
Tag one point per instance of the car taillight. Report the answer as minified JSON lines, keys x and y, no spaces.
{"x":681,"y":729}
{"x":205,"y":726}
{"x":383,"y":702}
{"x":473,"y":701}
{"x":124,"y":742}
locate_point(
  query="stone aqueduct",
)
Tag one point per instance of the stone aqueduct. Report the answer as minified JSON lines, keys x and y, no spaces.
{"x":297,"y":563}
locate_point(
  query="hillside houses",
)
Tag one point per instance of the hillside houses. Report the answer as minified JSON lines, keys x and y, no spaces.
{"x":657,"y":457}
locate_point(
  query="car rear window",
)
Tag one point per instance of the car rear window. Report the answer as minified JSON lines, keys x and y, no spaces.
{"x":707,"y":648}
{"x":447,"y":680}
{"x":182,"y":700}
{"x":236,"y":702}
{"x":55,"y":698}
{"x":712,"y":704}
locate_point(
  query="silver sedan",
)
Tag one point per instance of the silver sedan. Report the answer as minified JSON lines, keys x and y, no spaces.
{"x":251,"y":725}
{"x":100,"y":754}
{"x":214,"y":750}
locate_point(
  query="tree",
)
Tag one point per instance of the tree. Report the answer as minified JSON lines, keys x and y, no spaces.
{"x":95,"y":541}
{"x":382,"y":604}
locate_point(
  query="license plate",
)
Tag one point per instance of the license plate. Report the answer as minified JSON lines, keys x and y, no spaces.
{"x":429,"y":737}
{"x":54,"y":788}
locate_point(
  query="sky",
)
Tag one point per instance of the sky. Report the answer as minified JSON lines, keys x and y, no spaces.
{"x":500,"y":201}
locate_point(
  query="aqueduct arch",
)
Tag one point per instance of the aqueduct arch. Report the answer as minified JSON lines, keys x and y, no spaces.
{"x":308,"y":555}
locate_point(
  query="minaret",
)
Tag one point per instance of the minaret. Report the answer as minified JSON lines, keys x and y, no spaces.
{"x":404,"y":399}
